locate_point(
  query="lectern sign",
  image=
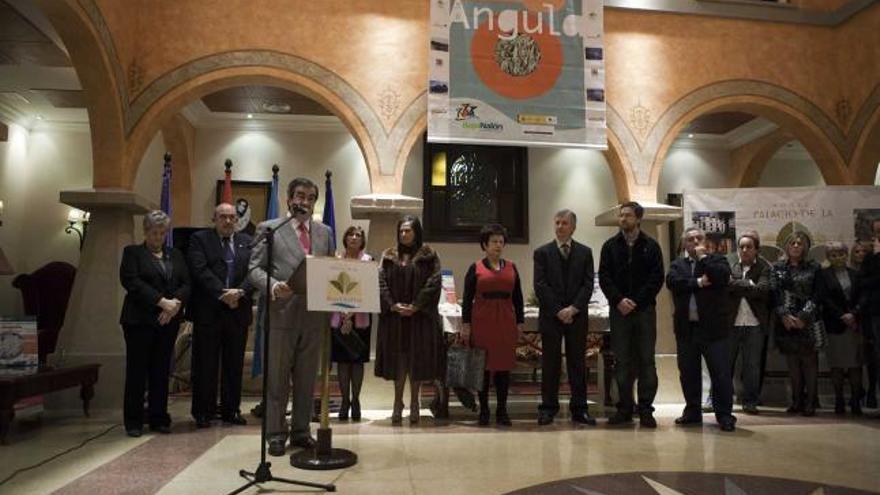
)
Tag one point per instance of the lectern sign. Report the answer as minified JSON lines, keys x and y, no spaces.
{"x":529,"y":72}
{"x":339,"y":284}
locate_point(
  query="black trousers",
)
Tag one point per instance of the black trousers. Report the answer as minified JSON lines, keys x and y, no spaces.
{"x":691,"y":347}
{"x":633,"y":339}
{"x":575,"y":338}
{"x":218,"y":348}
{"x":803,"y":369}
{"x":148,"y":350}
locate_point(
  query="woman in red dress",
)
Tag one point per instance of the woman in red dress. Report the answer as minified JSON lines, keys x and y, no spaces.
{"x":492,"y":317}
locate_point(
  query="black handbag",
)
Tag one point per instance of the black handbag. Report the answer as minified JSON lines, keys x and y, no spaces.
{"x":465,"y":367}
{"x":350,"y":342}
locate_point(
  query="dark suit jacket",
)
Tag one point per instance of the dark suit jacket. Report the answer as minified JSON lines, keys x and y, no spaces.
{"x":754,"y":287}
{"x":557,"y":288}
{"x":208,"y":270}
{"x":834,"y":301}
{"x":713,"y":302}
{"x":869,"y":284}
{"x":145,"y":285}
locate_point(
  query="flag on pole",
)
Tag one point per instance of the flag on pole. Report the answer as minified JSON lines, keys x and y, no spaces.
{"x":271,"y":213}
{"x":227,"y":183}
{"x":329,"y":214}
{"x":165,"y":198}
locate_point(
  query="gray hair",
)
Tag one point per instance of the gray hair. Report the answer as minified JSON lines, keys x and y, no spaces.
{"x":692,"y":229}
{"x":836,"y":247}
{"x":565,"y":212}
{"x":156,"y":218}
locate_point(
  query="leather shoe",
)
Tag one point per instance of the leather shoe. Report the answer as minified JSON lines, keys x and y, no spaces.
{"x":619,"y":418}
{"x":236,"y":419}
{"x":727,"y":424}
{"x":303,"y":442}
{"x":134,"y":432}
{"x":502,"y":418}
{"x":164,"y":429}
{"x":688,"y":420}
{"x":750,"y":409}
{"x":545,"y":419}
{"x":646,"y":420}
{"x":583,"y":418}
{"x":276,"y":447}
{"x":808,"y":412}
{"x":203,"y":422}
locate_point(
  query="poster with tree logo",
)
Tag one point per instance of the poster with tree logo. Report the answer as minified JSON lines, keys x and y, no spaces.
{"x":522,"y":73}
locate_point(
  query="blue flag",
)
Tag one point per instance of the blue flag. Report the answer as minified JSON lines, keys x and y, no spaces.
{"x":329,"y":215}
{"x":165,"y":198}
{"x":271,"y":213}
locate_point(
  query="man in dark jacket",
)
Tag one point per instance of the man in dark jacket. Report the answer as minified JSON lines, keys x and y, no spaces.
{"x":870,"y":286}
{"x":631,"y":275}
{"x":702,"y":321}
{"x":750,"y":295}
{"x":563,"y":284}
{"x":221,"y":310}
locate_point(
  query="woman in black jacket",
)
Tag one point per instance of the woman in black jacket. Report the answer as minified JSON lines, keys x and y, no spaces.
{"x":157,"y":286}
{"x":839,"y":293}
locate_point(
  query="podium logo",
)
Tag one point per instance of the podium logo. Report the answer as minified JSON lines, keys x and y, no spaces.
{"x":344,"y":292}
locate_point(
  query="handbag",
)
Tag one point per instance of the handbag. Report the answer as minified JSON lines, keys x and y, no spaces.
{"x":350,"y":342}
{"x":464,"y":367}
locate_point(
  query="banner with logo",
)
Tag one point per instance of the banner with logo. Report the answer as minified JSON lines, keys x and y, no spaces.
{"x":522,"y":73}
{"x":830,"y":213}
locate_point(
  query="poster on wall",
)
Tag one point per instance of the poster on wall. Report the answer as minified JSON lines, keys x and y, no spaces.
{"x":522,"y":73}
{"x":823,"y":214}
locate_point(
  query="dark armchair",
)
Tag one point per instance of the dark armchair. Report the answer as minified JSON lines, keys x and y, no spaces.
{"x":46,"y":293}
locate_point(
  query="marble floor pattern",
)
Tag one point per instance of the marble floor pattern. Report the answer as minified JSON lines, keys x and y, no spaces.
{"x":450,"y":458}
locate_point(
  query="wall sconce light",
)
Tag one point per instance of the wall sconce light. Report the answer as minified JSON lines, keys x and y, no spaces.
{"x":78,"y":221}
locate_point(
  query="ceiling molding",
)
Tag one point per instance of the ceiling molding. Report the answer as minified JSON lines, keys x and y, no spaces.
{"x":747,"y":9}
{"x":201,"y":117}
{"x":748,"y":132}
{"x":60,"y":126}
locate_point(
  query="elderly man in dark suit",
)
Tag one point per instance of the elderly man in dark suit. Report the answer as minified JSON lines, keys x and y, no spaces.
{"x":702,"y":323}
{"x":221,"y":311}
{"x":295,"y":332}
{"x":563,"y":281}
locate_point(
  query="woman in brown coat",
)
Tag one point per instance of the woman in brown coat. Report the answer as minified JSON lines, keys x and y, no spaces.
{"x":410,"y":337}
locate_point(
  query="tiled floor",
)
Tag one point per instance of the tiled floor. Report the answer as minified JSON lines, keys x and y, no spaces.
{"x":456,"y":457}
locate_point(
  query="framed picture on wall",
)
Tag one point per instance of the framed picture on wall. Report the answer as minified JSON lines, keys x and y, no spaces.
{"x":251,"y":199}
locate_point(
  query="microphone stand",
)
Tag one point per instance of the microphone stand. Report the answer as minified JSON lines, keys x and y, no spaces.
{"x":263,"y":472}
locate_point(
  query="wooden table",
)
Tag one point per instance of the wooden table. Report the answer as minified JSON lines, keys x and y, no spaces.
{"x":16,"y":387}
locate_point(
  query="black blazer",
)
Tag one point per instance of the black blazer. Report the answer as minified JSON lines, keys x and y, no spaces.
{"x":754,"y":287}
{"x":559,"y":283}
{"x":208,"y":270}
{"x":145,"y":285}
{"x":713,"y":302}
{"x":834,"y":301}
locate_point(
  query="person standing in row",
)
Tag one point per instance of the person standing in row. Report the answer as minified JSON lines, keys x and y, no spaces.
{"x":796,"y":308}
{"x":410,"y":341}
{"x":492,"y":315}
{"x":221,"y":311}
{"x":750,"y":292}
{"x":157,"y":287}
{"x":295,"y":332}
{"x":699,"y":282}
{"x":631,"y":275}
{"x":870,"y":288}
{"x":351,"y":327}
{"x":838,"y":289}
{"x":563,"y":281}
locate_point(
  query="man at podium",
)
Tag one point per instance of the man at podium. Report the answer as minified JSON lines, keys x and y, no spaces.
{"x":295,"y":333}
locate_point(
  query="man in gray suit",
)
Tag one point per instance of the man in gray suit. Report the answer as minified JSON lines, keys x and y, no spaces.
{"x":295,"y":333}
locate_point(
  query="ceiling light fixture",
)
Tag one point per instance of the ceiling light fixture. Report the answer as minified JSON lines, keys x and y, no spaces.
{"x":276,"y":107}
{"x":250,"y":115}
{"x":691,"y":136}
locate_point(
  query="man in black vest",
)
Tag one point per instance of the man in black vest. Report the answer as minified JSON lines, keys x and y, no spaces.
{"x":702,"y":322}
{"x":563,"y":281}
{"x":631,"y":275}
{"x":221,"y":310}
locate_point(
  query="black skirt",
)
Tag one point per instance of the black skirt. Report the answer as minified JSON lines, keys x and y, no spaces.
{"x":351,"y":348}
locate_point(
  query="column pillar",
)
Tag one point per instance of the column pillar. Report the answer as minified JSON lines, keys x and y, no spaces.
{"x":91,"y":332}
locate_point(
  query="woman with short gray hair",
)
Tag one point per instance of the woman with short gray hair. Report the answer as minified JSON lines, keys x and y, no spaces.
{"x":156,"y":282}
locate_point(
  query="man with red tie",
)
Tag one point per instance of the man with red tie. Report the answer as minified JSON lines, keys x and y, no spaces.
{"x":295,"y":332}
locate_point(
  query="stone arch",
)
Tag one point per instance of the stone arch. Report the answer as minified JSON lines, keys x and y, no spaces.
{"x":102,"y":88}
{"x":802,"y":119}
{"x":867,"y":152}
{"x":750,"y":159}
{"x":161,"y":109}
